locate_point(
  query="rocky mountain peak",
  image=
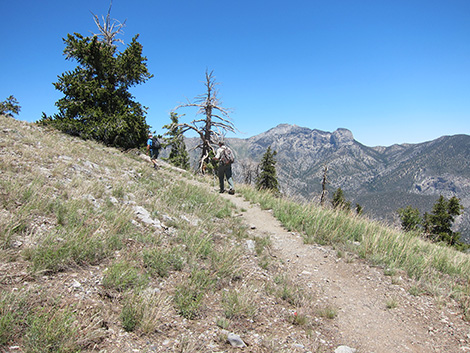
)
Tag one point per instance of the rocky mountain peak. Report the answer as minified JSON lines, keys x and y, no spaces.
{"x":342,"y":136}
{"x":293,"y":134}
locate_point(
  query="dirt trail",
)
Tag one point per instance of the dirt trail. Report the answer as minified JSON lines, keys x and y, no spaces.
{"x":361,"y":294}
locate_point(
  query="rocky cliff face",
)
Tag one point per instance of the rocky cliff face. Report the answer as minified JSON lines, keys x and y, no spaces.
{"x":381,"y":179}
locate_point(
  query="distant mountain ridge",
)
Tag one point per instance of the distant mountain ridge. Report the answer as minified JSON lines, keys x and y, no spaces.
{"x":381,"y":179}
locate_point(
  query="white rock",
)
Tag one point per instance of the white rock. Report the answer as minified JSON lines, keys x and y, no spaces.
{"x":145,"y":217}
{"x":344,"y":349}
{"x":250,"y":244}
{"x":235,"y":340}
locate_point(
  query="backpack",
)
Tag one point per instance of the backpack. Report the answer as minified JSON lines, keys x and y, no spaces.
{"x":227,"y":156}
{"x":156,"y":145}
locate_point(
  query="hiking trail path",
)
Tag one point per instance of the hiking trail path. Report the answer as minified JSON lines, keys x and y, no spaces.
{"x":360,"y":294}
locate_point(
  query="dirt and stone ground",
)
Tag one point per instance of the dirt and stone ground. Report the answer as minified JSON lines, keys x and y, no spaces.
{"x":375,"y":312}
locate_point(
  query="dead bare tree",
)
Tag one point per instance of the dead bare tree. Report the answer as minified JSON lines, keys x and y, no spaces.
{"x":250,"y":171}
{"x":109,"y":30}
{"x":215,"y":123}
{"x":323,"y":186}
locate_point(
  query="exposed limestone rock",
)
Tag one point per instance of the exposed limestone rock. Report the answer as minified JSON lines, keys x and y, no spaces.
{"x":235,"y":340}
{"x":145,"y":217}
{"x":345,"y":349}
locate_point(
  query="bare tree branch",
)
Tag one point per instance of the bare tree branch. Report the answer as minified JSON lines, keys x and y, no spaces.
{"x":107,"y":31}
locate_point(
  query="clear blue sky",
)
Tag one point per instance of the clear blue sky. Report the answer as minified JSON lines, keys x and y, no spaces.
{"x":391,"y":71}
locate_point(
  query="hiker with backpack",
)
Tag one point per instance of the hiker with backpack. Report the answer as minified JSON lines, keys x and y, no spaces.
{"x":153,"y":148}
{"x":225,"y":157}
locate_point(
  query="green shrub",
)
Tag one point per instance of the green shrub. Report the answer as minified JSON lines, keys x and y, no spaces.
{"x":188,"y":296}
{"x":144,"y":310}
{"x":262,"y":243}
{"x":123,"y":275}
{"x":239,"y":303}
{"x":328,"y":312}
{"x":161,"y":261}
{"x":131,"y":314}
{"x":8,"y":321}
{"x":187,"y":301}
{"x":59,"y":252}
{"x":225,"y":264}
{"x":288,"y":291}
{"x":51,"y":331}
{"x":198,"y":244}
{"x":298,"y":319}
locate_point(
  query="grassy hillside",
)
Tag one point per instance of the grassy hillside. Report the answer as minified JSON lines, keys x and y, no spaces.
{"x":100,"y":252}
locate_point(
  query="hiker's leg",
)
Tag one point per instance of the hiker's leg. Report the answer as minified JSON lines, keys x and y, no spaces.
{"x":221,"y":173}
{"x":228,"y":174}
{"x":154,"y":161}
{"x":153,"y":158}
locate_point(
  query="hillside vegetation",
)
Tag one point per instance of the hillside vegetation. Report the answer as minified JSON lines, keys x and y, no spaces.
{"x":99,"y":252}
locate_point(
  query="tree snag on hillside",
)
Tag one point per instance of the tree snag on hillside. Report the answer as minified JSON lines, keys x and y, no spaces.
{"x":250,"y":171}
{"x":213,"y":126}
{"x":324,"y":191}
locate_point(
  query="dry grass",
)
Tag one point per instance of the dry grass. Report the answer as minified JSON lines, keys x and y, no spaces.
{"x":439,"y":270}
{"x":77,"y":253}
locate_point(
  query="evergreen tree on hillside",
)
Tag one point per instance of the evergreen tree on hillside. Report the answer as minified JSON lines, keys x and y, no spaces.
{"x":359,"y":209}
{"x":410,"y":218}
{"x":267,"y":178}
{"x":9,"y":107}
{"x":175,"y":140}
{"x":438,"y":224}
{"x":339,"y":202}
{"x":97,"y":103}
{"x":441,"y":219}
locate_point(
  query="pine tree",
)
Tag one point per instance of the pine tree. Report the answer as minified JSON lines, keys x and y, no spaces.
{"x":339,"y":202}
{"x":175,"y":140}
{"x":441,"y":219}
{"x":267,"y":178}
{"x":97,"y":103}
{"x":410,"y":218}
{"x":9,"y":107}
